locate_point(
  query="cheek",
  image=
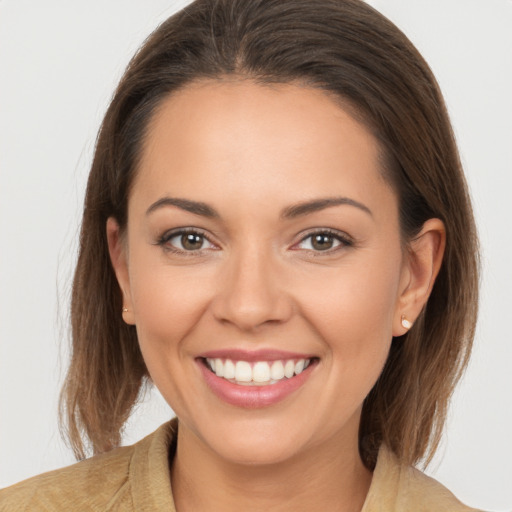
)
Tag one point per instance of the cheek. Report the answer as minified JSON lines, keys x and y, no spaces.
{"x":353,"y":310}
{"x":167,"y":301}
{"x":353,"y":316}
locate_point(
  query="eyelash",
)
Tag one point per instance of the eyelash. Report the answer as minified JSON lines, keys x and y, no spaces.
{"x":163,"y":241}
{"x":345,"y":241}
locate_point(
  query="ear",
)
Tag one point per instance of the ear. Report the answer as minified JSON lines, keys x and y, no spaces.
{"x":118,"y":257}
{"x":422,"y":261}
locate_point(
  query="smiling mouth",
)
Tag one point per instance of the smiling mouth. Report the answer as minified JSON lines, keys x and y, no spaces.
{"x":257,"y":373}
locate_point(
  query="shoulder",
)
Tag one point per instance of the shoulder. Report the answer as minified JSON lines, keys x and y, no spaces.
{"x":428,"y":494}
{"x":399,"y":488}
{"x":93,"y":483}
{"x":120,"y":480}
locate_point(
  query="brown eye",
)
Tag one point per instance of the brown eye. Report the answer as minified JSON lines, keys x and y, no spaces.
{"x":192,"y":241}
{"x":186,"y":241}
{"x":322,"y":241}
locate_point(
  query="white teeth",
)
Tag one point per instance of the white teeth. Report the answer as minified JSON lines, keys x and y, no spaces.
{"x":299,"y":366}
{"x":257,"y":373}
{"x":277,"y":370}
{"x":219,"y":368}
{"x":261,"y":372}
{"x":243,"y":371}
{"x":289,"y":369}
{"x":229,"y":369}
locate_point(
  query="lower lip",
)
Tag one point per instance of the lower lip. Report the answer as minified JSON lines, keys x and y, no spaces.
{"x":253,"y":397}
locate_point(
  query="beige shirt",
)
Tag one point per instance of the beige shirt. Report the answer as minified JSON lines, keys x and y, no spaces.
{"x":136,"y":478}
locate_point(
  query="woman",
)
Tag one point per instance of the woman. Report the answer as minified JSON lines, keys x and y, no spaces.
{"x":277,"y":232}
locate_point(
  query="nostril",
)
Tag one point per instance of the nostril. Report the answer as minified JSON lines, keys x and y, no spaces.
{"x":252,"y":311}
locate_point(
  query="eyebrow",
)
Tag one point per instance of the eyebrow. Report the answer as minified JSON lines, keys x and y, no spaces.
{"x":290,"y":212}
{"x":316,"y":205}
{"x":195,"y":207}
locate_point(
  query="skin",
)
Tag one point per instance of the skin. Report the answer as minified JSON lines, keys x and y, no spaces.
{"x":250,"y":152}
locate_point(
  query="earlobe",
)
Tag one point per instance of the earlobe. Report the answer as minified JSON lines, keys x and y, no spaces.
{"x":117,"y":251}
{"x":423,"y":262}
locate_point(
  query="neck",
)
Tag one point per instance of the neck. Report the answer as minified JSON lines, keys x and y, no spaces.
{"x":322,"y":478}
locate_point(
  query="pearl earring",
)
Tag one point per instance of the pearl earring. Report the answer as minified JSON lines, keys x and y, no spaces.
{"x":405,"y":323}
{"x":125,"y":310}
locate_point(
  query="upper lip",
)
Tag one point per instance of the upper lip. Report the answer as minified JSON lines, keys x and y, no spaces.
{"x":254,"y":355}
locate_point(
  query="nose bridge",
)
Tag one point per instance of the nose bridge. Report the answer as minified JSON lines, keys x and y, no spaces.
{"x":250,"y":293}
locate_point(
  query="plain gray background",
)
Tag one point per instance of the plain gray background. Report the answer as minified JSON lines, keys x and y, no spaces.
{"x":59,"y":63}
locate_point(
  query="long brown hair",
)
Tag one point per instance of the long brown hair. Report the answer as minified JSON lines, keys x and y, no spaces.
{"x":349,"y":50}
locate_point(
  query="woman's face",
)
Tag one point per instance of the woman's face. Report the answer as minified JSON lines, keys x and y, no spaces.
{"x":261,"y":238}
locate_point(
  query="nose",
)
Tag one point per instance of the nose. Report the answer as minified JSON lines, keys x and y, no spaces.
{"x":252,"y":292}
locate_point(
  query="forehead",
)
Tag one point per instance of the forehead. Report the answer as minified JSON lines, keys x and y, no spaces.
{"x":239,"y":138}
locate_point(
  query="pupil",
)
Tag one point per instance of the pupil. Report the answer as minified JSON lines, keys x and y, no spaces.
{"x":191,"y":241}
{"x":322,"y":242}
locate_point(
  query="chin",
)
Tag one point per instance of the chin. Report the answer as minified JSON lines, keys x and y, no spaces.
{"x":254,"y":441}
{"x":257,"y":450}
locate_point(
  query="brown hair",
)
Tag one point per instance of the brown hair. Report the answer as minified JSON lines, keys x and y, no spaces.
{"x":351,"y":51}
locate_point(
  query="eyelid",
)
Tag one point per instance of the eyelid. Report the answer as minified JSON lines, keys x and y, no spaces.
{"x":344,"y":239}
{"x":171,"y":233}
